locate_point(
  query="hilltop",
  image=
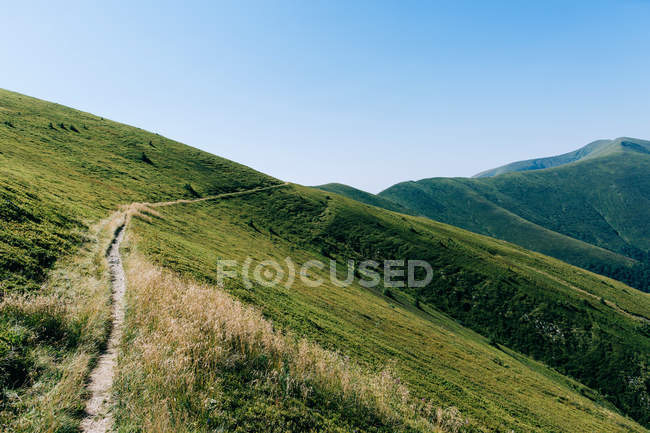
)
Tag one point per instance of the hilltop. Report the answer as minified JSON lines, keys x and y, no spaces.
{"x":591,"y":150}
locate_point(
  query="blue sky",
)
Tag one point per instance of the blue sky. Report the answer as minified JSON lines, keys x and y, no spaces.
{"x":367,"y":93}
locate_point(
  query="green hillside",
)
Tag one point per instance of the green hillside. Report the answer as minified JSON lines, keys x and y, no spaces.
{"x":469,"y":210}
{"x":62,"y":173}
{"x":364,"y":197}
{"x":62,"y":169}
{"x":523,"y":300}
{"x":468,"y":352}
{"x":602,"y":200}
{"x":594,"y":149}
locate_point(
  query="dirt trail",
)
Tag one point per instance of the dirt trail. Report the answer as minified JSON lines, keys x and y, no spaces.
{"x":213,"y":197}
{"x":98,"y":407}
{"x":99,"y":419}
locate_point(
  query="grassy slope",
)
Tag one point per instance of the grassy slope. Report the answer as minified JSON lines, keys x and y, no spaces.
{"x":54,"y":180}
{"x":601,"y":201}
{"x":57,"y":180}
{"x":63,"y":171}
{"x":197,"y":360}
{"x":55,"y":183}
{"x":591,"y":150}
{"x":439,"y":358}
{"x":468,"y":209}
{"x":364,"y":197}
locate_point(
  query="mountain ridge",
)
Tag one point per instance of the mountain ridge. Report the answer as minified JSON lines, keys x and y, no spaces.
{"x":592,"y":150}
{"x":580,"y":211}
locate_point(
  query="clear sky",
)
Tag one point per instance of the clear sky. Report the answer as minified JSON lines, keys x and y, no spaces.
{"x":367,"y":93}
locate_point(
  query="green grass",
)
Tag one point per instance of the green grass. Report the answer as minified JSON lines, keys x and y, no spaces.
{"x":62,"y":172}
{"x":591,"y":210}
{"x":50,"y":338}
{"x":196,"y":360}
{"x":364,"y":197}
{"x":592,"y":150}
{"x":439,"y":358}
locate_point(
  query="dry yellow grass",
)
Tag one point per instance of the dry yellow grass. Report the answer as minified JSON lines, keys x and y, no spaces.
{"x":76,"y":298}
{"x":181,"y":334}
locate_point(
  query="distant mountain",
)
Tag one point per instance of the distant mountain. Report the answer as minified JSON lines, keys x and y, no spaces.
{"x":364,"y":197}
{"x":598,"y":195}
{"x":592,"y":150}
{"x":590,"y":208}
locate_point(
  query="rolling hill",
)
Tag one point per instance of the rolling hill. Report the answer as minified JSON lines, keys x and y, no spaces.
{"x":501,"y":339}
{"x":592,"y":150}
{"x":602,"y":198}
{"x":364,"y":197}
{"x":590,"y":208}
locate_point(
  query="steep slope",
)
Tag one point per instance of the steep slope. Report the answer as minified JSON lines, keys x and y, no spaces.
{"x":61,"y":168}
{"x":230,"y":369}
{"x":64,"y":173}
{"x":529,"y":302}
{"x":602,"y":200}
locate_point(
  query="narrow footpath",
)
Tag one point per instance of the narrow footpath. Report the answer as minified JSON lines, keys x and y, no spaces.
{"x":98,"y":407}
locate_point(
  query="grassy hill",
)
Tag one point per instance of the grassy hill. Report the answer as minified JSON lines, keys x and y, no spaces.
{"x":364,"y":197}
{"x":62,"y":169}
{"x":537,"y":305}
{"x":201,"y":357}
{"x":62,"y":173}
{"x":593,"y":213}
{"x":594,"y":149}
{"x":469,"y":210}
